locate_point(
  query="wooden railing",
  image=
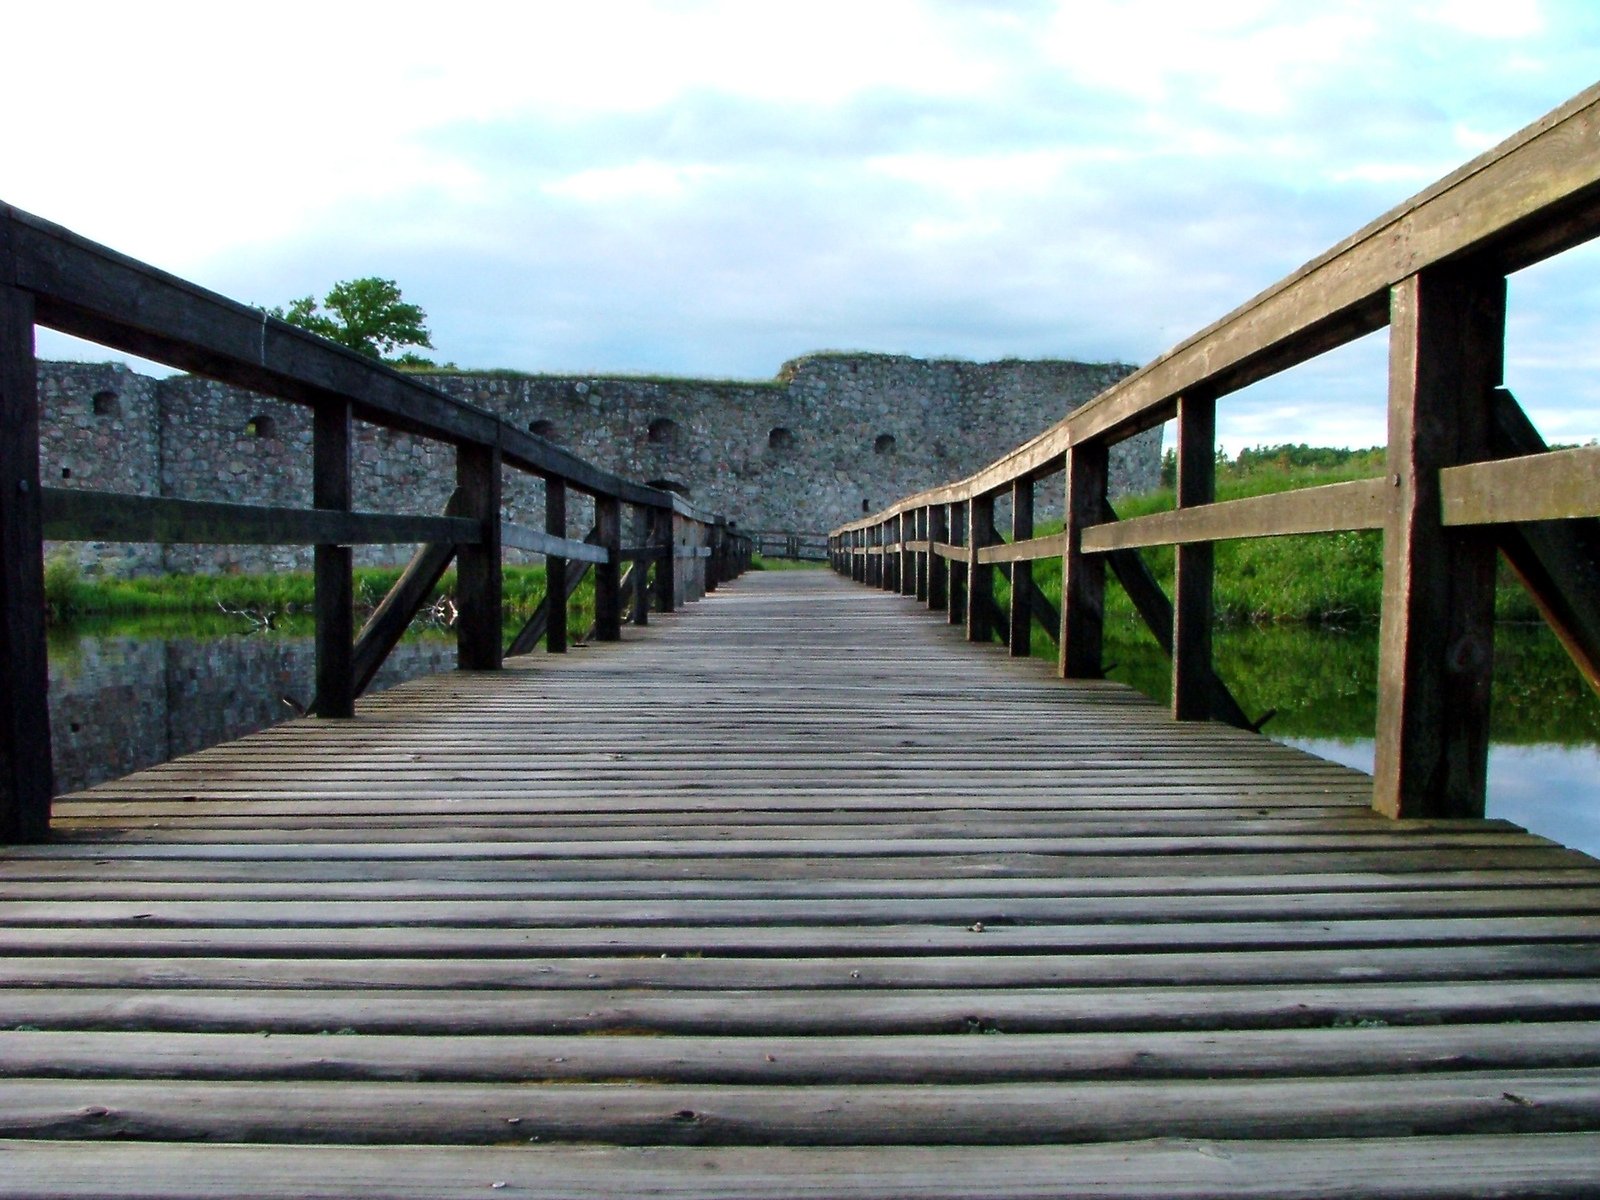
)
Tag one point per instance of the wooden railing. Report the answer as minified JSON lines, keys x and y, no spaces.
{"x":1467,"y":474}
{"x":51,"y":277}
{"x":802,"y":546}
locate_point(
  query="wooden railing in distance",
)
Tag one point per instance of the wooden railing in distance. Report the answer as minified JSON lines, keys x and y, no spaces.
{"x":800,"y":545}
{"x":1467,"y":474}
{"x":50,"y":276}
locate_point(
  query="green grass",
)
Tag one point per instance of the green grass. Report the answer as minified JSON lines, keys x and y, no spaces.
{"x":760,"y":562}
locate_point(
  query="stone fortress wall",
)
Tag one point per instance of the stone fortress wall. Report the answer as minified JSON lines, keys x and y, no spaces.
{"x":832,"y":437}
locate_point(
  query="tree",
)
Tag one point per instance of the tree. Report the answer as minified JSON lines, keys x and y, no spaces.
{"x":366,"y":315}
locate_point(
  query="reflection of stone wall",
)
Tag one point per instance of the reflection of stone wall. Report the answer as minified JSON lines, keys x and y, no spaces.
{"x":834,"y":435}
{"x":118,"y":704}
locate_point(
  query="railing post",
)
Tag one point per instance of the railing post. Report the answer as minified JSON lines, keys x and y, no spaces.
{"x":1021,"y":613}
{"x":1436,"y":639}
{"x":555,"y":568}
{"x":938,"y":564}
{"x":1192,"y":581}
{"x":908,"y":556}
{"x":956,"y":612}
{"x":920,"y":523}
{"x":1083,"y":576}
{"x":335,"y":589}
{"x":666,"y":564}
{"x":27,"y":779}
{"x":478,"y":579}
{"x":713,"y":564}
{"x":608,"y":575}
{"x":980,"y":576}
{"x":641,"y":565}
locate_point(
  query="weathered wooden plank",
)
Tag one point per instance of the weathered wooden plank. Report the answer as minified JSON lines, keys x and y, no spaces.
{"x":788,"y":1060}
{"x":1359,"y":504}
{"x":1082,"y":632}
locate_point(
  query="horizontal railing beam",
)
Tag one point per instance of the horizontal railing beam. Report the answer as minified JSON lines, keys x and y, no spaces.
{"x":1558,"y":485}
{"x":72,"y":514}
{"x":1330,"y":508}
{"x":537,"y":541}
{"x":1027,"y":550}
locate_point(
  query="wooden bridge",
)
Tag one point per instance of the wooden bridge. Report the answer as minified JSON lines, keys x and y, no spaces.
{"x":806,"y":889}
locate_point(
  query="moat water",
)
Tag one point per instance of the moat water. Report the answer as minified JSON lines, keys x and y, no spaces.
{"x":127,"y":695}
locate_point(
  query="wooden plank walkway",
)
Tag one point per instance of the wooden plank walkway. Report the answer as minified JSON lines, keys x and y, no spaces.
{"x":794,"y":893}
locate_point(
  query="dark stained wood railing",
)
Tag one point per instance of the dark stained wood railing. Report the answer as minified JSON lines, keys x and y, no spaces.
{"x":1467,"y":473}
{"x":50,"y":276}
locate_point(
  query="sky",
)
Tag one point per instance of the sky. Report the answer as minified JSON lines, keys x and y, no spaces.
{"x":711,"y":189}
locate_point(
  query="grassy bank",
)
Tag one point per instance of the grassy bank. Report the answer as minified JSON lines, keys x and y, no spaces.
{"x":70,"y":596}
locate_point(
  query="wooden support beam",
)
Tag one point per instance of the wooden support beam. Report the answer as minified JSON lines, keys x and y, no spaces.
{"x":1020,"y":616}
{"x":1083,"y":576}
{"x":1557,"y":561}
{"x":1436,"y":639}
{"x":478,"y":575}
{"x":387,"y":624}
{"x":333,"y":581}
{"x":608,"y":575}
{"x":1192,"y":581}
{"x":556,"y":589}
{"x":1558,"y":485}
{"x":1153,"y":607}
{"x":26,"y":775}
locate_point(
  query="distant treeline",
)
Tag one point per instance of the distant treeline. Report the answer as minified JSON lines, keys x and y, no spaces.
{"x":1285,"y":457}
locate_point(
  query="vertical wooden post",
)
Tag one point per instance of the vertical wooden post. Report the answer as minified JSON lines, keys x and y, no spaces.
{"x":956,"y":613}
{"x":665,"y":562}
{"x":641,"y":565}
{"x":1436,"y":640}
{"x":1192,"y":583}
{"x":608,"y":575}
{"x":27,"y":780}
{"x":335,"y":589}
{"x":908,"y":556}
{"x":923,"y":557}
{"x":478,"y":579}
{"x":555,"y":568}
{"x":1083,"y":576}
{"x":980,"y":576}
{"x":938,"y":565}
{"x":1021,"y":572}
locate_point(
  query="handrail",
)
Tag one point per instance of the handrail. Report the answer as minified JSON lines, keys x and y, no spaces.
{"x":50,"y":276}
{"x":1466,"y":472}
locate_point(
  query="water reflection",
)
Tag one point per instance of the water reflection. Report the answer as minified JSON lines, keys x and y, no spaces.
{"x":125,"y":698}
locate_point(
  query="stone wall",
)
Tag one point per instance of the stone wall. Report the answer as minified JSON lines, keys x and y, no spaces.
{"x":833,"y":436}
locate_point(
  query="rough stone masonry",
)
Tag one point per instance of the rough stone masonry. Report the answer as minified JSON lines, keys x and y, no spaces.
{"x":831,"y":437}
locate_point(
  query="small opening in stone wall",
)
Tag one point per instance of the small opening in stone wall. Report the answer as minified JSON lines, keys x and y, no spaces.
{"x":780,"y":439}
{"x":670,"y":485}
{"x":865,"y":507}
{"x":544,"y":429}
{"x":107,"y":404}
{"x":66,"y":472}
{"x":261,"y":426}
{"x":663,"y":430}
{"x":884,"y":444}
